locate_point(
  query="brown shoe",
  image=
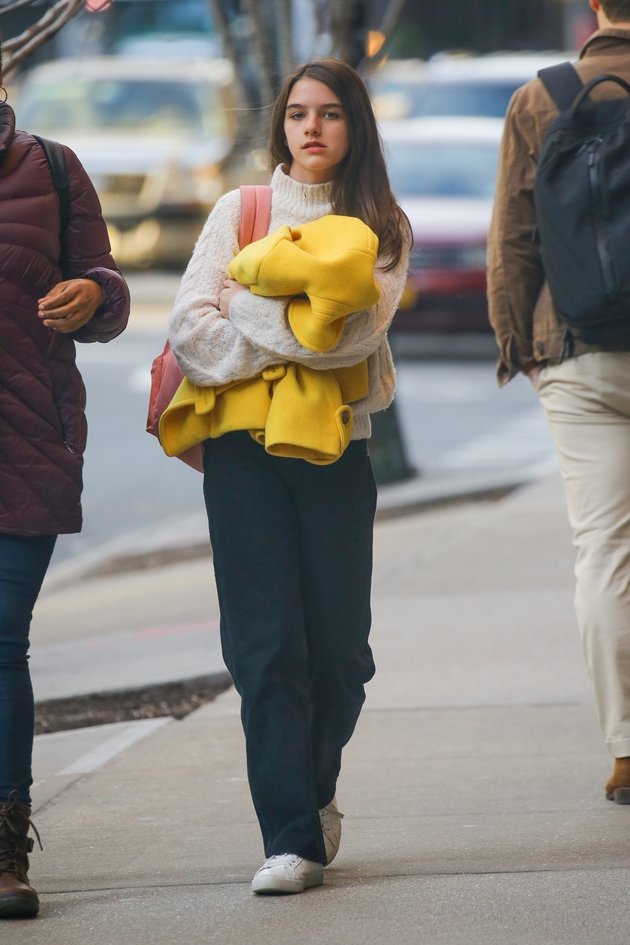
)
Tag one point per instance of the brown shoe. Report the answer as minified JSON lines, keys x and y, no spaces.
{"x":618,"y":786}
{"x":18,"y":899}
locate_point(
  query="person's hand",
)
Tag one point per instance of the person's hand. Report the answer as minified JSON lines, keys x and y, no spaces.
{"x":70,"y":305}
{"x":534,"y":375}
{"x":229,"y":290}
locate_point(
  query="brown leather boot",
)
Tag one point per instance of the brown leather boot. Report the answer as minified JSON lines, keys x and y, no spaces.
{"x":618,"y":786}
{"x":18,"y":899}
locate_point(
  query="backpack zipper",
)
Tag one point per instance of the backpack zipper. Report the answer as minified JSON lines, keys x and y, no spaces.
{"x":598,"y":202}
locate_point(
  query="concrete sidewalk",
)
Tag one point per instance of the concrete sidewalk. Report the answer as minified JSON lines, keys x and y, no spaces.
{"x":104,"y":604}
{"x":473,"y":788}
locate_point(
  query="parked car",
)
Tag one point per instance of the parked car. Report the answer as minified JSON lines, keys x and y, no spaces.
{"x":455,"y":85}
{"x":443,"y":173}
{"x":158,"y":140}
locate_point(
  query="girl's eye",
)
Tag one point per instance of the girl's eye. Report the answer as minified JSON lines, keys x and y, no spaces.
{"x":331,"y":114}
{"x":296,"y":115}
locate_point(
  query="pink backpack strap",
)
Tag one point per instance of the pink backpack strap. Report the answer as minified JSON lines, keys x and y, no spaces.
{"x":166,"y":375}
{"x":255,"y":213}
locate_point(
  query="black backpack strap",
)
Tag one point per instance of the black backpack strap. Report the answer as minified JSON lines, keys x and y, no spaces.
{"x":563,"y":84}
{"x":59,"y":173}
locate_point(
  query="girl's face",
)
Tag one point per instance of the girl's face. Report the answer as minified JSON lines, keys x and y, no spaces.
{"x":316,"y":130}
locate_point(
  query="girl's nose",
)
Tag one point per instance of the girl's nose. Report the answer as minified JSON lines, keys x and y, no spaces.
{"x":312,"y":125}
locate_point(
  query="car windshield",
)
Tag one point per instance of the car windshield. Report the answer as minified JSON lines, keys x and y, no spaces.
{"x":442,"y":169}
{"x":85,"y":105}
{"x":427,"y":99}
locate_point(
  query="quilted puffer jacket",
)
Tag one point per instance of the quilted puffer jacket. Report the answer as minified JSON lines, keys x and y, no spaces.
{"x":42,"y":398}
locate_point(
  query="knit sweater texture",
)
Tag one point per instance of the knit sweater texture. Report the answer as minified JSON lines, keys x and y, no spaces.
{"x":212,"y":350}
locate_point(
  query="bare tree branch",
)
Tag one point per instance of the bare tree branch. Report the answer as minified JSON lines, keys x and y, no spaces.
{"x":271,"y":46}
{"x":230,"y":50}
{"x":345,"y":16}
{"x":221,"y":23}
{"x":262,"y":49}
{"x":390,"y":17}
{"x":16,"y":5}
{"x":284,"y":10}
{"x":19,"y":48}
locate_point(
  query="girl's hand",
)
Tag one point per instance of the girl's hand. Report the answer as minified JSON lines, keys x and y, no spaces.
{"x":70,"y":305}
{"x":229,"y":290}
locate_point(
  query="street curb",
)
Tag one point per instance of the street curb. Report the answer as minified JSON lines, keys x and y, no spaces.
{"x":156,"y":548}
{"x":174,"y":699}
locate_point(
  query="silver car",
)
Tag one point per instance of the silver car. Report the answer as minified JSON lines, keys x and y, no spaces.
{"x":455,"y":85}
{"x":156,"y":137}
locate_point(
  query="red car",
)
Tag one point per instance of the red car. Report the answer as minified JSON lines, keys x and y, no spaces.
{"x":443,"y":173}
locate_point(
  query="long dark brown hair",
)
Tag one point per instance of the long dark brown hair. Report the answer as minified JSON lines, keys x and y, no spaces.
{"x":361,"y":188}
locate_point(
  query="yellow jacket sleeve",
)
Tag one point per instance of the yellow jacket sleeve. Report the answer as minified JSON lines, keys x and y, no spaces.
{"x":331,"y":260}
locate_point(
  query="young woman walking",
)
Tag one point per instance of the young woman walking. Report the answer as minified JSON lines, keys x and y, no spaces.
{"x":292,"y":538}
{"x":58,"y":284}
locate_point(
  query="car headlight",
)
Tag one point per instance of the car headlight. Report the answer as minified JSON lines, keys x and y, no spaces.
{"x":208,"y":183}
{"x":183,"y":186}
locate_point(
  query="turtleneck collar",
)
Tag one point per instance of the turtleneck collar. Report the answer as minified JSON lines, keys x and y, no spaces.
{"x":7,"y":128}
{"x":294,"y":191}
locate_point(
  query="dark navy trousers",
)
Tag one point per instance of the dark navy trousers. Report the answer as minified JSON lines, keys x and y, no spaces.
{"x":292,"y":547}
{"x":23,"y":564}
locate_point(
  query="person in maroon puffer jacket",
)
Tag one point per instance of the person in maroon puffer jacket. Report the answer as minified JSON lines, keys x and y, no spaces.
{"x":44,"y":308}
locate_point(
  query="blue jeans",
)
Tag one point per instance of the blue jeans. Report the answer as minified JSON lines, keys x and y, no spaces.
{"x":23,"y":565}
{"x":292,"y":548}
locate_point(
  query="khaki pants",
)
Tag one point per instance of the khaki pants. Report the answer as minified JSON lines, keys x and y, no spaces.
{"x":587,"y":403}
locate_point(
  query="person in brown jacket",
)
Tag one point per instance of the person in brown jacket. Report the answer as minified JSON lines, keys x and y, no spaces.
{"x":585,"y":391}
{"x":45,"y":306}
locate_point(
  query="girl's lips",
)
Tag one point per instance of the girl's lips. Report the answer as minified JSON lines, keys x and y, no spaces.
{"x":313,"y":146}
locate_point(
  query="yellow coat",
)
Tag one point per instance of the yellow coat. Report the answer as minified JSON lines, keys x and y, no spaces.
{"x":331,"y":260}
{"x":290,"y":409}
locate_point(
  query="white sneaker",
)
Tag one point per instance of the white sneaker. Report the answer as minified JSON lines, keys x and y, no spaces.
{"x":287,"y":873}
{"x":331,"y":817}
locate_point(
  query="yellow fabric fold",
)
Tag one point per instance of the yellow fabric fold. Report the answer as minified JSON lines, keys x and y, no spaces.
{"x":331,"y":260}
{"x":307,"y":417}
{"x":289,"y":409}
{"x":197,"y":413}
{"x":353,"y":381}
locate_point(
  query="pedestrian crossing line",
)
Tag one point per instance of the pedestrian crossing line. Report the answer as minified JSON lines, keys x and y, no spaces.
{"x":524,"y":441}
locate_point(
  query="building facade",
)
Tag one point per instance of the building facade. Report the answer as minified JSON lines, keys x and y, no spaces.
{"x":481,"y":26}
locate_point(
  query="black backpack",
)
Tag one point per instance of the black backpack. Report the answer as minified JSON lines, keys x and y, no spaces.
{"x":582,"y":198}
{"x":59,"y":173}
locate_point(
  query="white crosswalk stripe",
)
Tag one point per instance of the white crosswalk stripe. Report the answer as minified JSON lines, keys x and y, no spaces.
{"x":524,"y":442}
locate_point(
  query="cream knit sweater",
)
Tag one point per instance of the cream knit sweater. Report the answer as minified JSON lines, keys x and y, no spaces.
{"x":213,"y":350}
